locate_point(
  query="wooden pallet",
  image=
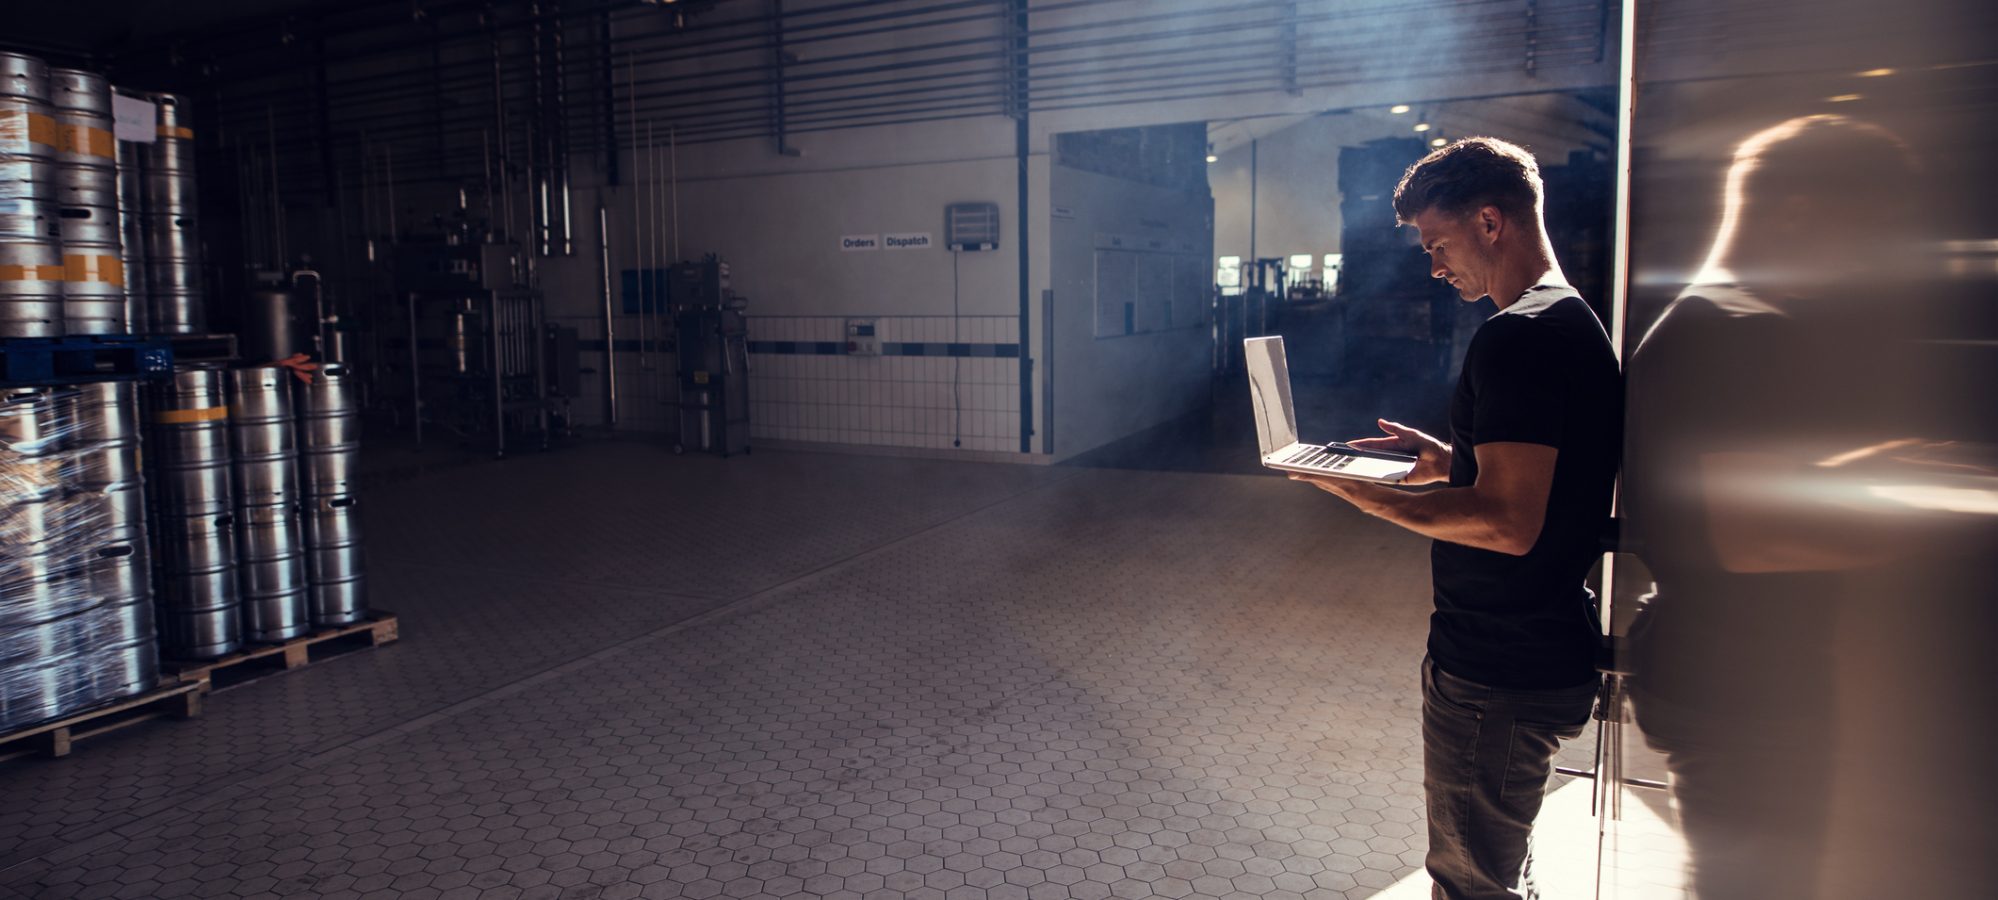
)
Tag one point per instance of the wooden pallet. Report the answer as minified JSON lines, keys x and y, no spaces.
{"x":245,"y":666}
{"x":53,"y":739}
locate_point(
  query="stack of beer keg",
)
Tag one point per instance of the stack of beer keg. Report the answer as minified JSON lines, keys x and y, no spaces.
{"x":31,"y":264}
{"x":76,"y":624}
{"x":270,"y":567}
{"x":330,"y":435}
{"x":200,"y":617}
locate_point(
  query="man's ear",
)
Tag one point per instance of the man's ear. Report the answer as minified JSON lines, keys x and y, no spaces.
{"x":1490,"y":223}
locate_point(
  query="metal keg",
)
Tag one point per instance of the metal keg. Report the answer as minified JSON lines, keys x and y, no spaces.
{"x":261,"y":436}
{"x":271,"y":574}
{"x":329,"y":435}
{"x":199,"y":614}
{"x":82,"y":103}
{"x":31,"y":288}
{"x":28,"y":199}
{"x":333,"y":561}
{"x":132,"y":245}
{"x":191,"y":443}
{"x":27,"y":123}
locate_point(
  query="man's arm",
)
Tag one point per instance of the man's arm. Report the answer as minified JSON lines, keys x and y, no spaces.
{"x":1504,"y":511}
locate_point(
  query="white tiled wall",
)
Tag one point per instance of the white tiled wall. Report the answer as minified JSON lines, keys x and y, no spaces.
{"x":905,"y":401}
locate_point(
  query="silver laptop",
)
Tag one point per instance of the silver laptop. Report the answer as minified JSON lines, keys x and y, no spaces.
{"x":1276,"y":426}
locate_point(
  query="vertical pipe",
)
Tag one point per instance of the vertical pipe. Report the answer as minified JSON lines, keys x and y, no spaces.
{"x":415,"y":375}
{"x":673,"y":157}
{"x":610,"y":324}
{"x":1021,"y":146}
{"x":496,"y":357}
{"x":612,"y":176}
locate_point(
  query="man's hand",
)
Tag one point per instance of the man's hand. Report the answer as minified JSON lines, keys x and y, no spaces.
{"x":1432,"y":457}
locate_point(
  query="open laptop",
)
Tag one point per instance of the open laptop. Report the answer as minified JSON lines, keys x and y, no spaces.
{"x":1276,"y":426}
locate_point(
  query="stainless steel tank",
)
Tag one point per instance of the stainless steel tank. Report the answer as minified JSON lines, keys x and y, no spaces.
{"x":270,"y":563}
{"x":334,"y":563}
{"x":87,"y":190}
{"x":200,"y":616}
{"x":27,"y":122}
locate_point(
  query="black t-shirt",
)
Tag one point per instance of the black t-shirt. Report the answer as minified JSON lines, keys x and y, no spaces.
{"x":1540,"y":372}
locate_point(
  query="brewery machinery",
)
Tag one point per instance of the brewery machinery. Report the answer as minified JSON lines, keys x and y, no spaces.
{"x":475,"y":340}
{"x":711,"y":349}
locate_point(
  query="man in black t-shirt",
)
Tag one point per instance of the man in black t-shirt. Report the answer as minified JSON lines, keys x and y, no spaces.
{"x":1535,"y":425}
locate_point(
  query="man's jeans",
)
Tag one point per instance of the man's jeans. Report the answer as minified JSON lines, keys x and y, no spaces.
{"x":1486,"y":755}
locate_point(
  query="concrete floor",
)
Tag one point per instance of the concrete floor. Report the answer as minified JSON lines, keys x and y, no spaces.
{"x":629,"y":674}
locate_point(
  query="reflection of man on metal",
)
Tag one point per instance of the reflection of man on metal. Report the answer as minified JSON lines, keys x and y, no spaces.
{"x":1533,"y":453}
{"x":1762,"y":395}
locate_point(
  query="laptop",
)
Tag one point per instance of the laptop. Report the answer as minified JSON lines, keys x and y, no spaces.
{"x":1276,"y":426}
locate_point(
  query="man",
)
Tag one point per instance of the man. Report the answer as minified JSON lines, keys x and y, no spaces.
{"x":1535,"y":429}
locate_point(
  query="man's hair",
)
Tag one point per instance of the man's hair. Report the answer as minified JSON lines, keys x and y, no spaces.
{"x":1467,"y":175}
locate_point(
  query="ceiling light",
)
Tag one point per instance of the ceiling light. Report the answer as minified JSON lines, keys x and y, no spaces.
{"x":1422,"y":126}
{"x":1875,"y":73}
{"x":1212,"y":158}
{"x":1437,"y":142}
{"x":1844,"y":98}
{"x":1398,"y":108}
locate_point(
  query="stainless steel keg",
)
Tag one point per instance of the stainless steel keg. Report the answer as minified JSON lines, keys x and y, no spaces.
{"x":271,"y":574}
{"x":334,"y":563}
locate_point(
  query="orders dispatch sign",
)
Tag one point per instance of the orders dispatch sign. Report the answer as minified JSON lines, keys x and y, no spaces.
{"x":919,"y":240}
{"x":855,"y":243}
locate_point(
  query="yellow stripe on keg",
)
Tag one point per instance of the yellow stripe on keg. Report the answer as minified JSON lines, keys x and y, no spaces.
{"x":41,"y":128}
{"x":77,"y":138}
{"x":177,"y":131}
{"x":187,"y":416}
{"x":94,"y":267}
{"x":32,"y":273}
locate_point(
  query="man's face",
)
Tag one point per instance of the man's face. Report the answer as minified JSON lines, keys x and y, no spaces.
{"x":1458,"y":252}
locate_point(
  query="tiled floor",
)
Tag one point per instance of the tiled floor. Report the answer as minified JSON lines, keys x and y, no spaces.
{"x":629,"y":674}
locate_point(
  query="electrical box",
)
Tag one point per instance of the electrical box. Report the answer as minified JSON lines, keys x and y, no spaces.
{"x":971,"y":226}
{"x":861,"y":338}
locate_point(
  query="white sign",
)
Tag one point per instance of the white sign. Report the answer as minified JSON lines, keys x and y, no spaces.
{"x":855,"y":242}
{"x":134,"y":119}
{"x":914,"y":240}
{"x":1063,"y":212}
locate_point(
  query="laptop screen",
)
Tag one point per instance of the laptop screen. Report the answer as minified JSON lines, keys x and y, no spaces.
{"x":1269,"y":393}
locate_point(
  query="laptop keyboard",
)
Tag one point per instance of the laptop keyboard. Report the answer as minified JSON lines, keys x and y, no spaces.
{"x":1320,"y":458}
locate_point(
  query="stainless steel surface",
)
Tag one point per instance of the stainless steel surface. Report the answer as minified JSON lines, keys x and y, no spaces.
{"x":271,"y":574}
{"x":28,"y":198}
{"x":124,"y":670}
{"x":334,"y":562}
{"x":51,"y":688}
{"x":27,"y":128}
{"x":93,"y":300}
{"x":191,"y":444}
{"x":86,"y":186}
{"x":200,"y":633}
{"x":261,"y":437}
{"x":80,"y":90}
{"x":177,"y":312}
{"x":328,"y":432}
{"x":31,"y":289}
{"x":85,"y":139}
{"x":274,"y":326}
{"x":170,"y":193}
{"x":196,"y":554}
{"x":22,"y":75}
{"x":138,"y":311}
{"x":104,"y":413}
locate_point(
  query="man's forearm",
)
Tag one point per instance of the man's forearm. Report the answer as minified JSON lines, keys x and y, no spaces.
{"x":1459,"y":515}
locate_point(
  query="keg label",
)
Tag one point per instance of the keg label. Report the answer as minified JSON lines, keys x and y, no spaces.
{"x":84,"y":139}
{"x":38,"y":129}
{"x":32,"y":273}
{"x":177,"y":131}
{"x":94,"y":267}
